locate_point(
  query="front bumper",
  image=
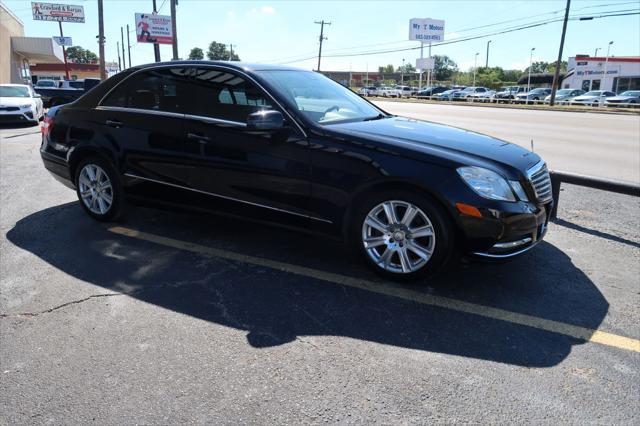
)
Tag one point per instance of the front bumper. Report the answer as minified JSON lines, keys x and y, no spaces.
{"x":19,"y":116}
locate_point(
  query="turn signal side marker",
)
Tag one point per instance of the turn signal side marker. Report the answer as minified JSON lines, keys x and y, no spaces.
{"x":468,"y":210}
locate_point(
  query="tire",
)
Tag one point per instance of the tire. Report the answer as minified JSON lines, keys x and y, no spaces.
{"x":396,"y":239}
{"x":98,"y":191}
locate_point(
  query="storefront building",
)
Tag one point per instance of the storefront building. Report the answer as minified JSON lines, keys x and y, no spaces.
{"x":20,"y":52}
{"x":588,"y":73}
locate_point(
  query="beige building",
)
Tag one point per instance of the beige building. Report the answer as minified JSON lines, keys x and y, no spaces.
{"x":18,"y":53}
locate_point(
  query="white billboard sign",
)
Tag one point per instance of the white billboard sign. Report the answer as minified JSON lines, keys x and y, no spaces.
{"x":57,"y":12}
{"x":63,"y":41}
{"x":151,"y":28}
{"x":426,"y":30}
{"x":425,"y":63}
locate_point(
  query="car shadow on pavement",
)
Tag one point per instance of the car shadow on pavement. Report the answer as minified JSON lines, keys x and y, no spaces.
{"x":276,"y":307}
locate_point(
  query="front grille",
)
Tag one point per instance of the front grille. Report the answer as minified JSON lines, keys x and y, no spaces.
{"x":9,"y":108}
{"x":541,"y":183}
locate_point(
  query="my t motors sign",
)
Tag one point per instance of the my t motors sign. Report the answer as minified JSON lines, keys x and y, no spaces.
{"x":426,"y":30}
{"x":57,"y":12}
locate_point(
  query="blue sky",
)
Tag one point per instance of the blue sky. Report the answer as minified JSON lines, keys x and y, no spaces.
{"x":284,"y":31}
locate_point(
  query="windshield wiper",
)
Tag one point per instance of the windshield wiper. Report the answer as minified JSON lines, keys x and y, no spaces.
{"x":376,"y":117}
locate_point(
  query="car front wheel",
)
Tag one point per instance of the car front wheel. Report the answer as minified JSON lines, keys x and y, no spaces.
{"x":402,"y":235}
{"x":99,"y":189}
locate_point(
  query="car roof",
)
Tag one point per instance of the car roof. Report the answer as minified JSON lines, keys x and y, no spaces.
{"x":241,"y":66}
{"x":14,"y":85}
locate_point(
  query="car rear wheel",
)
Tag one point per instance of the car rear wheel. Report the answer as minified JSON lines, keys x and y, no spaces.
{"x":99,"y":189}
{"x":402,"y":235}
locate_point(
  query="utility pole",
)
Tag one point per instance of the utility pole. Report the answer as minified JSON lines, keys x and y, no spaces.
{"x":596,"y":54}
{"x":128,"y":45}
{"x":103,"y":71}
{"x":556,"y":75}
{"x":604,"y":76}
{"x":118,"y":50}
{"x":124,"y":62}
{"x":486,"y":64}
{"x":402,"y":73}
{"x":156,"y":46}
{"x":322,"y":37}
{"x":64,"y":53}
{"x":174,"y":29}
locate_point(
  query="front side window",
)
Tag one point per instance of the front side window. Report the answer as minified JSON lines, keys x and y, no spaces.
{"x":319,"y":98}
{"x":163,"y":89}
{"x":224,"y":95}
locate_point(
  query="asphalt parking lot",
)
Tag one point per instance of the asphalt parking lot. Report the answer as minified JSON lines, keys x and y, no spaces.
{"x":167,"y":317}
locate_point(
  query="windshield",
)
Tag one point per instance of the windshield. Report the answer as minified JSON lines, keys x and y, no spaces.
{"x":564,"y":92}
{"x":631,"y":93}
{"x":46,"y":83}
{"x":593,"y":93}
{"x":14,"y":92}
{"x":319,"y":98}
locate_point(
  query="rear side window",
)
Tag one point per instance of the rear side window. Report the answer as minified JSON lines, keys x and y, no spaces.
{"x":165,"y":89}
{"x":224,"y":95}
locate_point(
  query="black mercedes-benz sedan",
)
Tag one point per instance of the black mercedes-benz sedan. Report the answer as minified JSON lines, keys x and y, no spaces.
{"x":292,"y":147}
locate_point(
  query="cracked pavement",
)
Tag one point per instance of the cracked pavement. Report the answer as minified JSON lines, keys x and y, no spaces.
{"x":201,"y":339}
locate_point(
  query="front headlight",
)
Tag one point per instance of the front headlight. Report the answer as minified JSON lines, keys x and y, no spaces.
{"x":487,"y":183}
{"x":25,"y":106}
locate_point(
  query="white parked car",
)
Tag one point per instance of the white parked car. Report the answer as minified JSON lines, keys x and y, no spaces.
{"x":46,"y":84}
{"x":534,"y":96}
{"x":386,"y":92}
{"x":20,"y":104}
{"x":367,"y":91}
{"x":481,"y":96}
{"x":592,"y":98}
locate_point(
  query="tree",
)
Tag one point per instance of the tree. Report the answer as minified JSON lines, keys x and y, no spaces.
{"x":444,"y":67}
{"x":387,"y":69}
{"x":79,"y":55}
{"x":218,"y":51}
{"x":407,"y":68}
{"x":196,"y":54}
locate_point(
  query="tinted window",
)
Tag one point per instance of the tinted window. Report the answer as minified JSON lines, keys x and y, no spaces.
{"x":163,"y":89}
{"x":223,"y":95}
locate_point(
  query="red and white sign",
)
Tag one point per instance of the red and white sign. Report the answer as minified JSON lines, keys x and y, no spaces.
{"x":152,"y":28}
{"x":57,"y":12}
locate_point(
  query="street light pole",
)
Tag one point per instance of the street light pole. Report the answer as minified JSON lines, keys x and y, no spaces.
{"x":402,"y":73}
{"x":475,"y":65}
{"x":486,"y":64}
{"x":596,"y":54}
{"x":604,"y":76}
{"x":530,"y":63}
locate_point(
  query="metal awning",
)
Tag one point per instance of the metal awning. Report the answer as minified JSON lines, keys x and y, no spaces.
{"x":37,"y":49}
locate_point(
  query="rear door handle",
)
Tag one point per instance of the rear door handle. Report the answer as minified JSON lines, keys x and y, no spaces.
{"x":198,"y":137}
{"x":114,"y":123}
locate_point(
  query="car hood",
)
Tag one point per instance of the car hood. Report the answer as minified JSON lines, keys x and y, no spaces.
{"x":432,"y":140}
{"x":621,"y":98}
{"x":14,"y":101}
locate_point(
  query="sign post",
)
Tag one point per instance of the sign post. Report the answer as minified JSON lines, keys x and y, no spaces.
{"x":60,"y":13}
{"x":426,"y":30}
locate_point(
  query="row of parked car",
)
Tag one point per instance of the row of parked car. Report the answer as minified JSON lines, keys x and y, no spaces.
{"x":508,"y":94}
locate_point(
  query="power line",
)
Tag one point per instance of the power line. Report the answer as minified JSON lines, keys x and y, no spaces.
{"x":504,"y":31}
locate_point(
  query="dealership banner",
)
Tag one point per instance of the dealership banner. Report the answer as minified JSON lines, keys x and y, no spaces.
{"x":57,"y":12}
{"x":152,"y":28}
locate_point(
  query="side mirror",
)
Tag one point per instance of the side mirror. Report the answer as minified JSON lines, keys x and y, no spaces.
{"x":265,"y":120}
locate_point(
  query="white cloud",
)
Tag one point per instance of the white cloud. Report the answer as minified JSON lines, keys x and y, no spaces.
{"x":264,"y":10}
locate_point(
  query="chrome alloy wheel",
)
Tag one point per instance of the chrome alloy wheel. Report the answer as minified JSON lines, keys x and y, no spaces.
{"x":398,"y":236}
{"x":95,"y":189}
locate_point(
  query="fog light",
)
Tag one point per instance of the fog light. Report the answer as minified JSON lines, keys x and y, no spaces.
{"x":468,"y":210}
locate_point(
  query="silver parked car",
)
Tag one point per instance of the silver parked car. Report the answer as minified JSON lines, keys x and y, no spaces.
{"x":628,"y":98}
{"x":563,"y":96}
{"x":534,"y":96}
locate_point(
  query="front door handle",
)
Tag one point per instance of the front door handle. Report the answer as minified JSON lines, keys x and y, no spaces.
{"x":114,"y":123}
{"x":198,"y":137}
